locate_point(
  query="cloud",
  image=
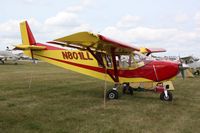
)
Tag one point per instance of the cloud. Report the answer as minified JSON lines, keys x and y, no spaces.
{"x":68,"y":20}
{"x":79,"y":7}
{"x":181,"y":18}
{"x":68,"y":17}
{"x":63,"y":23}
{"x":63,"y":19}
{"x":128,"y":21}
{"x":129,"y":29}
{"x":197,"y":20}
{"x":28,"y":1}
{"x":175,"y":40}
{"x":9,"y":29}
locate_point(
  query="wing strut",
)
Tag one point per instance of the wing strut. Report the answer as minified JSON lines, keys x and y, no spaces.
{"x":114,"y":65}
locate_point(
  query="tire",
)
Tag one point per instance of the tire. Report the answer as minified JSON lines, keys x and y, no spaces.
{"x":112,"y":94}
{"x":130,"y":90}
{"x":127,"y":87}
{"x":197,"y":72}
{"x":163,"y":98}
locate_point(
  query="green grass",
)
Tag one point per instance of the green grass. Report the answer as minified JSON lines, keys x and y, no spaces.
{"x":61,"y":101}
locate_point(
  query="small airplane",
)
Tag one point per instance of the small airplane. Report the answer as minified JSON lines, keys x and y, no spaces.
{"x":193,"y":63}
{"x":9,"y":55}
{"x":103,"y":58}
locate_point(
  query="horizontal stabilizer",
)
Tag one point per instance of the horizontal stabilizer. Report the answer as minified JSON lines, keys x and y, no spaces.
{"x":29,"y":47}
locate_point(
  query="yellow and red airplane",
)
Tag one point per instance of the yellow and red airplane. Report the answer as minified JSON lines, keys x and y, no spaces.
{"x":101,"y":57}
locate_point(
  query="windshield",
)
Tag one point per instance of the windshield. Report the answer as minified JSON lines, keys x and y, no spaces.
{"x":134,"y":60}
{"x":141,"y":57}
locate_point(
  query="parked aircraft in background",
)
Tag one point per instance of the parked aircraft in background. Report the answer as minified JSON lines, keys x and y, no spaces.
{"x":193,"y":63}
{"x":103,"y":58}
{"x":9,"y":55}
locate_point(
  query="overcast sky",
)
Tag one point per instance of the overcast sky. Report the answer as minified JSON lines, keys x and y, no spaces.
{"x":170,"y":24}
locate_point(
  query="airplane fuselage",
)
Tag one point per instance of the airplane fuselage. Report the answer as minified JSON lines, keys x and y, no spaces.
{"x":84,"y":62}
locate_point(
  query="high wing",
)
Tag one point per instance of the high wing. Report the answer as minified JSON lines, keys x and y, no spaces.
{"x":97,"y":42}
{"x":187,"y":58}
{"x":148,"y":51}
{"x":156,"y":50}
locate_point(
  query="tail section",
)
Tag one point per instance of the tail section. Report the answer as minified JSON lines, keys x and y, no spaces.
{"x":26,"y":34}
{"x":28,"y":41}
{"x":27,"y":38}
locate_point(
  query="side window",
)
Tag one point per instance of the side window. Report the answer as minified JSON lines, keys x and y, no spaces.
{"x":124,"y":61}
{"x":137,"y":58}
{"x":99,"y":56}
{"x":191,"y":61}
{"x":105,"y":59}
{"x":108,"y":61}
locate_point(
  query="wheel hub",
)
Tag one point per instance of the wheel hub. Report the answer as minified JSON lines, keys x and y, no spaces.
{"x":111,"y":95}
{"x":166,"y":98}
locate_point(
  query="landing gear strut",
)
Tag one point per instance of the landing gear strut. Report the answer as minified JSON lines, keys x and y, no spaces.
{"x":167,"y":97}
{"x":165,"y":94}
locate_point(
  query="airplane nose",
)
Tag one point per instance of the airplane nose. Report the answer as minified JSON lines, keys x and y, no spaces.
{"x":166,"y":70}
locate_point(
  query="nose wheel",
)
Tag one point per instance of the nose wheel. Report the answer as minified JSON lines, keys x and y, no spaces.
{"x":165,"y":97}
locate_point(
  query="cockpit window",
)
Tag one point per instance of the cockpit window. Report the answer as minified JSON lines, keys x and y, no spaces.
{"x":131,"y":61}
{"x":123,"y":61}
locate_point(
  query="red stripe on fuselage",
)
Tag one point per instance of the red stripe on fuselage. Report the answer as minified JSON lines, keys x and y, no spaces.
{"x":164,"y":70}
{"x":102,"y":70}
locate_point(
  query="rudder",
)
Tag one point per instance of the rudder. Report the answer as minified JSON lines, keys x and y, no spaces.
{"x":27,"y":36}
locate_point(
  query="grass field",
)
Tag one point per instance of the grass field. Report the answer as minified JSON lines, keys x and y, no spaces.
{"x":60,"y":101}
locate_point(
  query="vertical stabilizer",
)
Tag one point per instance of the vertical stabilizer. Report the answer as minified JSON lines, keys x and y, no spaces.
{"x":27,"y":37}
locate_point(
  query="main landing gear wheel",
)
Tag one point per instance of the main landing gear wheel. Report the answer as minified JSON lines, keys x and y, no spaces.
{"x":112,"y":94}
{"x":197,"y":72}
{"x":164,"y":98}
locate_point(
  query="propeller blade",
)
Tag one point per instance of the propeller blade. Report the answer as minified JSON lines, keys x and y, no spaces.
{"x":182,"y":74}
